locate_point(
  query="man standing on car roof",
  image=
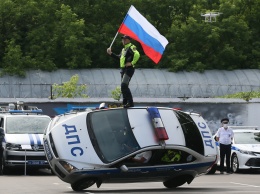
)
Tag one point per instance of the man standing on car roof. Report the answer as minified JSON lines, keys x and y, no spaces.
{"x":128,"y":58}
{"x":2,"y":135}
{"x":225,"y":136}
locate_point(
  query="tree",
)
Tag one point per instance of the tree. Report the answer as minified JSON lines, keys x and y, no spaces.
{"x":116,"y":93}
{"x":69,"y":89}
{"x":243,"y":95}
{"x":69,"y":34}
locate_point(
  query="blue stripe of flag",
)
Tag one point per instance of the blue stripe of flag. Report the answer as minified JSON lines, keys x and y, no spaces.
{"x":142,"y":35}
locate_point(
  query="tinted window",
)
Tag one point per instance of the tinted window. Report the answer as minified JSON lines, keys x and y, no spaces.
{"x":247,"y":137}
{"x":191,"y":132}
{"x":111,"y":134}
{"x":170,"y":156}
{"x":25,"y":124}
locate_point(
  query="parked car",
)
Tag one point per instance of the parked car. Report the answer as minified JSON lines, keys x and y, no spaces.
{"x":23,"y":143}
{"x":245,"y":149}
{"x":84,"y":148}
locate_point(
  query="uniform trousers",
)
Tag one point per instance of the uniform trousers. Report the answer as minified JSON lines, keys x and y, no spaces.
{"x":225,"y":152}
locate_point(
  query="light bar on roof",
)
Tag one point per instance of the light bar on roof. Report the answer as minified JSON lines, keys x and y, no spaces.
{"x":25,"y":111}
{"x":160,"y":130}
{"x":79,"y":108}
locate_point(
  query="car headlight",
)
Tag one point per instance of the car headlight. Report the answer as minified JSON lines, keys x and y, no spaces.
{"x":247,"y":152}
{"x":67,"y":166}
{"x":13,"y":146}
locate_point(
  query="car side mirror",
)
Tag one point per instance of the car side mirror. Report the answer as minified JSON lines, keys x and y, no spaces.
{"x":124,"y":168}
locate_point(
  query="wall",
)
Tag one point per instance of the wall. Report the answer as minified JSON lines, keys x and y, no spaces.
{"x":213,"y":110}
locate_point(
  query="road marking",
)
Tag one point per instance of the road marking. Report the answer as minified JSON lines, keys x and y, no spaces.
{"x":244,"y":184}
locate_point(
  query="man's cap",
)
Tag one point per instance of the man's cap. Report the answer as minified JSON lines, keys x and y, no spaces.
{"x":126,"y":37}
{"x":225,"y":119}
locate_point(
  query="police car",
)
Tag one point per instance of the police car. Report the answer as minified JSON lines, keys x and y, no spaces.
{"x":245,"y":149}
{"x":23,"y":143}
{"x":84,"y":148}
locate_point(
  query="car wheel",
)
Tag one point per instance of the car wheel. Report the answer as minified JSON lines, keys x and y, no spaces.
{"x":234,"y":163}
{"x":5,"y":169}
{"x":82,"y":184}
{"x":213,"y":169}
{"x":178,"y":181}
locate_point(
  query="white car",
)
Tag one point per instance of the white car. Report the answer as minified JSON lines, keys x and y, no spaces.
{"x":89,"y":147}
{"x":23,"y":142}
{"x":245,"y":149}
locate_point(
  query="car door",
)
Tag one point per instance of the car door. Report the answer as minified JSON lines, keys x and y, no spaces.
{"x":133,"y":171}
{"x":169,"y":162}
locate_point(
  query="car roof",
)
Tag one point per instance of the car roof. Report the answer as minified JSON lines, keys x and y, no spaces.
{"x":246,"y":130}
{"x":244,"y":127}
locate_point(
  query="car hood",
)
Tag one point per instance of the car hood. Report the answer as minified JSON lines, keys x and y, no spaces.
{"x":25,"y":140}
{"x":248,"y":147}
{"x":72,"y":142}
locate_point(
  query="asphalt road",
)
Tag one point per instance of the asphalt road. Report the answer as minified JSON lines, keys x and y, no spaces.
{"x":42,"y":182}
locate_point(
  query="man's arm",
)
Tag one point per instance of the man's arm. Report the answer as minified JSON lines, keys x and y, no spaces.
{"x":141,"y":160}
{"x":217,"y":136}
{"x":136,"y":55}
{"x":113,"y":55}
{"x":2,"y":135}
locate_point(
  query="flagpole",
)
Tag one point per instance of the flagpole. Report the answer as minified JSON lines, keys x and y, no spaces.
{"x":119,"y":28}
{"x":113,"y":40}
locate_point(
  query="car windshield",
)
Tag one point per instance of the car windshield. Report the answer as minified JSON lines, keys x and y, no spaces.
{"x":111,"y":134}
{"x":247,"y":137}
{"x":24,"y":125}
{"x":191,"y":132}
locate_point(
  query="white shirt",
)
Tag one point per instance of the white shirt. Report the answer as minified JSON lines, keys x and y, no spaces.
{"x":225,"y":135}
{"x":147,"y":155}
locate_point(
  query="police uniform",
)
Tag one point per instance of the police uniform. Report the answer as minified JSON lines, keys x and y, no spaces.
{"x":225,"y":136}
{"x":128,"y":55}
{"x":2,"y":135}
{"x":171,"y":156}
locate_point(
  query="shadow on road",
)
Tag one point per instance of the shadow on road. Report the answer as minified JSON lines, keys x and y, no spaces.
{"x":29,"y":172}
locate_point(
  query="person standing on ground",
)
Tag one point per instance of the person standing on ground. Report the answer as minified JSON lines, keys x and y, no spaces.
{"x":225,"y":136}
{"x":2,"y":135}
{"x":128,"y":58}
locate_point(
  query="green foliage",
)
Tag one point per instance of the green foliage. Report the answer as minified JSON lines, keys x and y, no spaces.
{"x":116,"y":93}
{"x":49,"y":34}
{"x":69,"y":89}
{"x":244,"y":95}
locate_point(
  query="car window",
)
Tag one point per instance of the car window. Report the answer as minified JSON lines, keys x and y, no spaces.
{"x":191,"y":132}
{"x":23,"y":125}
{"x":171,"y":156}
{"x":111,"y":134}
{"x":247,"y":137}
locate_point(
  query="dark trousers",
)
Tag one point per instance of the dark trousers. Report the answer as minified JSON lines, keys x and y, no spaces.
{"x":1,"y":158}
{"x":126,"y":75}
{"x":225,"y":151}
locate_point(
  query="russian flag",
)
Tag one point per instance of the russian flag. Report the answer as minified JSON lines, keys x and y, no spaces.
{"x":137,"y":27}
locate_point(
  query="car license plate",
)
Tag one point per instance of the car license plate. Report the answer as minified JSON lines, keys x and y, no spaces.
{"x":47,"y":150}
{"x":36,"y":162}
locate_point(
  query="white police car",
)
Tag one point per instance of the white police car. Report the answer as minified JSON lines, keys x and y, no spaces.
{"x":23,"y":143}
{"x":88,"y":147}
{"x":245,"y":149}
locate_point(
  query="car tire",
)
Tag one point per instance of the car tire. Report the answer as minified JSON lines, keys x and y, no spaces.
{"x":213,"y":169}
{"x":5,"y":169}
{"x":178,"y":181}
{"x":82,"y":184}
{"x":234,"y":163}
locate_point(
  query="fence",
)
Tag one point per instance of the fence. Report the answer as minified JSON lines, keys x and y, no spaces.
{"x":20,"y":90}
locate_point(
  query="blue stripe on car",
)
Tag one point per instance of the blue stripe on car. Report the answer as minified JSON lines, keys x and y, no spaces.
{"x":234,"y":148}
{"x":38,"y":139}
{"x":145,"y":169}
{"x":31,"y":139}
